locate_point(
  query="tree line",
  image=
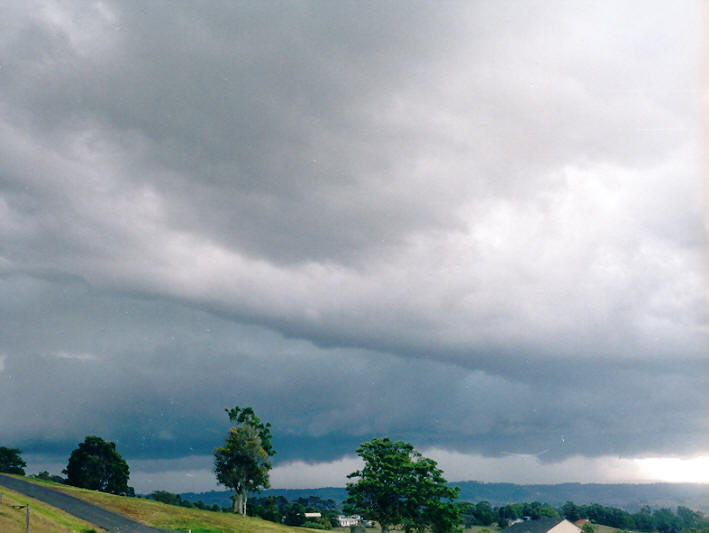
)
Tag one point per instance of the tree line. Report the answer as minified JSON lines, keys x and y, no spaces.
{"x":663,"y":520}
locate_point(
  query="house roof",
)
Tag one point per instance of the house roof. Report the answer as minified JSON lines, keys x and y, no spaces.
{"x":534,"y":526}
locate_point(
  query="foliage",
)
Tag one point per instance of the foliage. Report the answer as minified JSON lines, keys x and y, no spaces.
{"x":242,"y":464}
{"x":46,"y":476}
{"x":11,"y":462}
{"x":588,"y":528}
{"x":96,"y":465}
{"x":295,"y":515}
{"x":662,"y":520}
{"x":278,"y":509}
{"x":246,"y":416}
{"x":271,"y":508}
{"x":317,"y":524}
{"x":166,"y":497}
{"x":400,"y":487}
{"x":477,"y":514}
{"x":169,"y":498}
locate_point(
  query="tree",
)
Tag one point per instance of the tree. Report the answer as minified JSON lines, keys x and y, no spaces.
{"x":571,"y":511}
{"x":400,"y":487}
{"x":295,"y":515}
{"x":46,"y":476}
{"x":588,"y":528}
{"x":242,"y":464}
{"x":96,"y":465}
{"x":11,"y":462}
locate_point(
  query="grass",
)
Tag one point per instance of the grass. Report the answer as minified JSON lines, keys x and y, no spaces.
{"x":165,"y":516}
{"x":43,"y":518}
{"x":597,"y":528}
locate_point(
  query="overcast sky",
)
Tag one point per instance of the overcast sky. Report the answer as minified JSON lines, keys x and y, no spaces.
{"x":476,"y":226}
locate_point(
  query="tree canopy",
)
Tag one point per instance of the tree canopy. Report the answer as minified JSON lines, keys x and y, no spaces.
{"x":11,"y":462}
{"x":96,"y":465}
{"x":243,"y":463}
{"x":400,"y":487}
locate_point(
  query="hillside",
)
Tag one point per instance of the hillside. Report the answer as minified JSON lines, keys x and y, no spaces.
{"x":630,"y":497}
{"x":43,"y":518}
{"x":157,"y":514}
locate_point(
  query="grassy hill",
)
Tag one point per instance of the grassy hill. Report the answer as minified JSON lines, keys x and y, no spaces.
{"x":148,"y":512}
{"x":43,"y":518}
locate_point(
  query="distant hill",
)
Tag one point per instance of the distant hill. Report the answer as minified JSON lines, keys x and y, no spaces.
{"x":630,"y":497}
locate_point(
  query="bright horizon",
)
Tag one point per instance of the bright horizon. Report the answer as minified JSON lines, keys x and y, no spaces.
{"x":193,"y":474}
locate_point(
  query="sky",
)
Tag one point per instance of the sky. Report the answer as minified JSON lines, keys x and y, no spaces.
{"x":479,"y":227}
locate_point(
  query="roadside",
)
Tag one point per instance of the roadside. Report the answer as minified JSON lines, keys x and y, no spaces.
{"x":43,"y":517}
{"x":112,"y":522}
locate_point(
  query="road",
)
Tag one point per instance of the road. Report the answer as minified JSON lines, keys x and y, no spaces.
{"x":113,"y":522}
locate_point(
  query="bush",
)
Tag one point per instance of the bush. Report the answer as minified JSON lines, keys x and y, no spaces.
{"x":312,"y":524}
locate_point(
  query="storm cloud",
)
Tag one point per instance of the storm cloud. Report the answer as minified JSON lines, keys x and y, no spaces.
{"x":477,"y":226}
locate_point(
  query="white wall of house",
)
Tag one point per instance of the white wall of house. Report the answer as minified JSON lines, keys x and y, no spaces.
{"x":347,"y":521}
{"x":564,"y":527}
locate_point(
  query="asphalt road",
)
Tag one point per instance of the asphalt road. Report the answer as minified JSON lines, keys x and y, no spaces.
{"x":113,"y":522}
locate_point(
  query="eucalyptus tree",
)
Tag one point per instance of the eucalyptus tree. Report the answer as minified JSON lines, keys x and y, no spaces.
{"x":243,"y":463}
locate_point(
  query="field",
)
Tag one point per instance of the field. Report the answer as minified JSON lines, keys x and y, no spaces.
{"x":148,"y":512}
{"x":47,"y":519}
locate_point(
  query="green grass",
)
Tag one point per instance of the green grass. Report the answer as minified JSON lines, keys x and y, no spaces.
{"x":43,"y":518}
{"x":597,"y":528}
{"x":165,"y":516}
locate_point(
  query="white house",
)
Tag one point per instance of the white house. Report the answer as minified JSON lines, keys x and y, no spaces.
{"x":347,"y":521}
{"x":545,"y":525}
{"x":313,"y":515}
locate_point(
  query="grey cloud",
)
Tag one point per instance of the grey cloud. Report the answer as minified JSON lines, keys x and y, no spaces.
{"x":477,"y":226}
{"x":329,"y":148}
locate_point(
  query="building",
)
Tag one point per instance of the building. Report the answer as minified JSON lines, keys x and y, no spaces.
{"x":545,"y":525}
{"x":313,"y":515}
{"x":347,"y":521}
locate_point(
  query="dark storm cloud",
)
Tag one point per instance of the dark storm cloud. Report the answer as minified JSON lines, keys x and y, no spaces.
{"x":476,"y":227}
{"x":160,"y":392}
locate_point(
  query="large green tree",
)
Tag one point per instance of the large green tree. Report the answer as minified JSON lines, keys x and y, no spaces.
{"x":399,"y":487}
{"x":97,"y":465}
{"x":11,"y":462}
{"x":244,"y":461}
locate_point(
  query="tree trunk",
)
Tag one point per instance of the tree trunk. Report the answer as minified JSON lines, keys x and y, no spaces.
{"x":239,"y":499}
